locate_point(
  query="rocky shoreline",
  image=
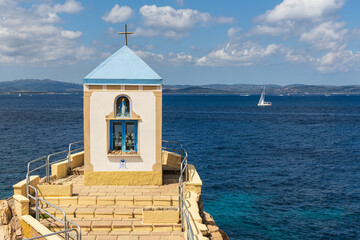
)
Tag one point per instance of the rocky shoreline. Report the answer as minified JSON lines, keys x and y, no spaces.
{"x":10,"y":227}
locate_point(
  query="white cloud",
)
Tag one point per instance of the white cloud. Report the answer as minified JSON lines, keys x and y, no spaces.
{"x":310,"y":22}
{"x":168,"y":17}
{"x":175,"y":23}
{"x":326,"y":36}
{"x":118,"y":14}
{"x":272,"y":30}
{"x":175,"y":35}
{"x":146,"y":32}
{"x":30,"y":36}
{"x":337,"y":61}
{"x":70,"y":34}
{"x":301,"y":10}
{"x":296,"y":58}
{"x":238,"y":54}
{"x":180,"y":58}
{"x":150,"y":56}
{"x":233,"y":32}
{"x":70,"y":6}
{"x":222,"y":20}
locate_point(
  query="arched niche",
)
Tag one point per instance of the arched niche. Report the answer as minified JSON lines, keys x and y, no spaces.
{"x":122,"y":106}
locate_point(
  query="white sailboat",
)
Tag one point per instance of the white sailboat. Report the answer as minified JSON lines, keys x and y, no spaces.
{"x":262,"y":102}
{"x":19,"y":94}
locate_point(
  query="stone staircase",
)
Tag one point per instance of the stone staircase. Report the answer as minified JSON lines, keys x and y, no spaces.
{"x":115,"y":212}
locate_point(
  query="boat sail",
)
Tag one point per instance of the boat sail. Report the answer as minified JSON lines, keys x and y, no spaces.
{"x":262,"y":102}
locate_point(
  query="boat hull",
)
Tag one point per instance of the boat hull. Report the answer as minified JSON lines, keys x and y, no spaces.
{"x":265,"y":104}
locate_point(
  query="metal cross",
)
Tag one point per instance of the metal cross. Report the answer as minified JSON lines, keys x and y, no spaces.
{"x":126,"y":33}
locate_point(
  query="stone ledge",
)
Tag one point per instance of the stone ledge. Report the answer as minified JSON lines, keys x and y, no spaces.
{"x":20,"y":187}
{"x":55,"y":190}
{"x":194,"y":184}
{"x":153,"y":215}
{"x":21,"y":205}
{"x":32,"y":225}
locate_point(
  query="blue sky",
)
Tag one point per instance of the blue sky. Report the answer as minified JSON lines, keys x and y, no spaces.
{"x":186,"y":42}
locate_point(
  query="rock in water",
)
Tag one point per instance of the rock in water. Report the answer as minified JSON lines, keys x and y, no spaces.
{"x":5,"y":213}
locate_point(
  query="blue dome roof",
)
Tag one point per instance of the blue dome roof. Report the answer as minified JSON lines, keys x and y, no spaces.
{"x":124,"y":67}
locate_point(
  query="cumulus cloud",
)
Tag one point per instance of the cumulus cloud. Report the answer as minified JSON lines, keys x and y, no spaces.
{"x":70,"y":6}
{"x":30,"y":35}
{"x":244,"y":54}
{"x":175,"y":23}
{"x":146,"y":32}
{"x":233,"y":32}
{"x":118,"y":14}
{"x":276,"y":30}
{"x":168,"y":17}
{"x":314,"y":24}
{"x":180,"y":58}
{"x":293,"y":17}
{"x":70,"y":34}
{"x":293,"y":57}
{"x":300,"y":10}
{"x":149,"y":55}
{"x":337,"y":61}
{"x":326,"y":36}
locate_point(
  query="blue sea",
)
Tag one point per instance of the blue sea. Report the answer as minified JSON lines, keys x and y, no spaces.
{"x":290,"y":171}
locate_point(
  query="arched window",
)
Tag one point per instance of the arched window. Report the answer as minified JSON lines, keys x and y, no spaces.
{"x":122,"y":107}
{"x":123,"y":132}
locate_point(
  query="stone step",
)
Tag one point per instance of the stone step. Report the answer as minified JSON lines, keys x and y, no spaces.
{"x":116,"y":235}
{"x":130,"y":212}
{"x":77,"y":171}
{"x":171,"y":200}
{"x":121,"y":226}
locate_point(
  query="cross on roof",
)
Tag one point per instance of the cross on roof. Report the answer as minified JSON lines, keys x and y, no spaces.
{"x":126,"y":33}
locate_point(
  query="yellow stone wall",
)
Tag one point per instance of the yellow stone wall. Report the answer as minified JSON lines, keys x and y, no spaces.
{"x":55,"y":190}
{"x":131,"y":178}
{"x":171,"y":159}
{"x":165,"y":215}
{"x":59,"y":170}
{"x":20,"y":187}
{"x":21,"y":205}
{"x":33,"y":228}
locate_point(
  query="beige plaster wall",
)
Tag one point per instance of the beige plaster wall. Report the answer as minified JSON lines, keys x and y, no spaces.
{"x":101,"y":105}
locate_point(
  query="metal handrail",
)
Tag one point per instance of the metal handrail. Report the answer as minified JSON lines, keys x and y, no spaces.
{"x":71,"y":151}
{"x":55,"y":233}
{"x":48,"y":162}
{"x":184,"y":211}
{"x":64,"y":221}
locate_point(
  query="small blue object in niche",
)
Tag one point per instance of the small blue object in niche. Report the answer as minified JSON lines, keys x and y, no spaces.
{"x":123,"y":164}
{"x":122,"y":107}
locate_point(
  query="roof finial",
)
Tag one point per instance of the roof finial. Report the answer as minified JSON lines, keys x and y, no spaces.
{"x":126,"y":33}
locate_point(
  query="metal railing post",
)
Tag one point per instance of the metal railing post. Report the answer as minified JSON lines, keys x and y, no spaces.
{"x":69,"y":159}
{"x":37,"y":214}
{"x":48,"y":169}
{"x":66,"y":228}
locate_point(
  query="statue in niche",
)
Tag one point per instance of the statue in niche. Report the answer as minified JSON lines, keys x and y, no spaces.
{"x":123,"y":109}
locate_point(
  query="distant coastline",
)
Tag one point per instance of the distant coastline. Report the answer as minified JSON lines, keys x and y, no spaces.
{"x":47,"y":86}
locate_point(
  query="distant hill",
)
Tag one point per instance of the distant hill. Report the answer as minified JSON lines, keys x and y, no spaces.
{"x":38,"y":86}
{"x":51,"y":86}
{"x":256,"y":89}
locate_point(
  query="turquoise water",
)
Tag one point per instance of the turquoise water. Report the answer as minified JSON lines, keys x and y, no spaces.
{"x":291,"y":171}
